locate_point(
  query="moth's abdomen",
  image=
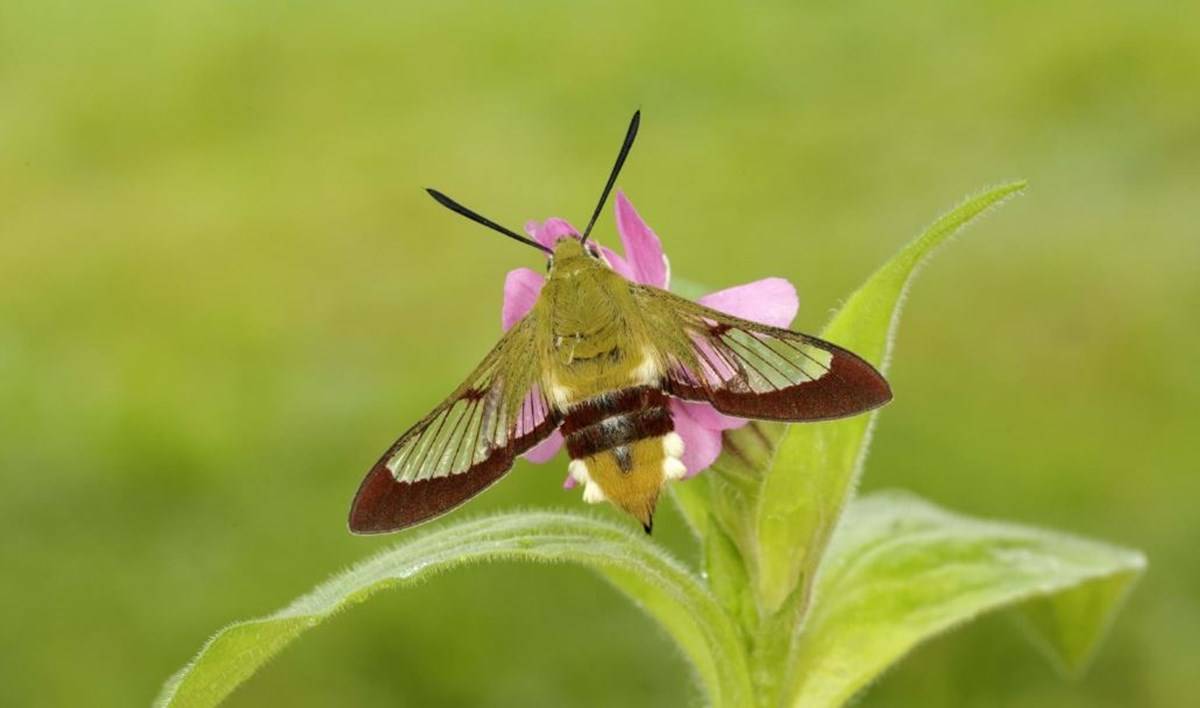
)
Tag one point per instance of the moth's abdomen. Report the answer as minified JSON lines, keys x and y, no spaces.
{"x":623,"y":448}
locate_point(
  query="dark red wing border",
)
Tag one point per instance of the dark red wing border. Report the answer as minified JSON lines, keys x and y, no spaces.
{"x":383,"y":504}
{"x":851,"y":386}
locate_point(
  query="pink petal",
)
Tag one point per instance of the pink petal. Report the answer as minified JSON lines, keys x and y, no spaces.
{"x":546,"y":449}
{"x":549,"y":231}
{"x":701,"y":446}
{"x":521,"y":289}
{"x":643,"y":250}
{"x":618,"y":263}
{"x":708,"y":417}
{"x":771,"y":301}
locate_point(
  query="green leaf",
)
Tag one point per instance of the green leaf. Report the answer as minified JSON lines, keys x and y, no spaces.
{"x":693,"y":499}
{"x":725,"y":572}
{"x":901,"y":570}
{"x":817,"y":464}
{"x":736,"y":478}
{"x":658,"y":583}
{"x":1068,"y":626}
{"x":722,"y":500}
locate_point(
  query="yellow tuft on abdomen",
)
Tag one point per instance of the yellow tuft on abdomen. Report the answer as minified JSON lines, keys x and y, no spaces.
{"x":632,"y":476}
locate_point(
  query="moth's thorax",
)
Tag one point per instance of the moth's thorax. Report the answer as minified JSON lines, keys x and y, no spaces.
{"x":595,"y":341}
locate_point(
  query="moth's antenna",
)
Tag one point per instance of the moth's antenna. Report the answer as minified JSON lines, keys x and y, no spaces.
{"x":612,"y":178}
{"x":479,"y":219}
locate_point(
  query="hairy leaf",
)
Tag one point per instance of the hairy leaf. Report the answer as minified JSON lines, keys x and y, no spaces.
{"x":655,"y":581}
{"x":817,"y":464}
{"x":901,"y":570}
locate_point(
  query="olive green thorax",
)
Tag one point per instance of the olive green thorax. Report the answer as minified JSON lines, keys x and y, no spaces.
{"x":588,"y":316}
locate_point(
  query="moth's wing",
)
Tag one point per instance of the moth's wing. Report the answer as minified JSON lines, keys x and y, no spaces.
{"x":752,"y":370}
{"x":465,"y":444}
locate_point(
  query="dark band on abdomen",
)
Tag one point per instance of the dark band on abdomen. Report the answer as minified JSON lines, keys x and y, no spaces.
{"x":613,"y":420}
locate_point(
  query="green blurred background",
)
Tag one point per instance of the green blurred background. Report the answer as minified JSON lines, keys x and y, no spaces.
{"x":223,"y":293}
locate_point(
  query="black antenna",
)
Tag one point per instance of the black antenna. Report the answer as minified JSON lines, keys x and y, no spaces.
{"x":612,"y":178}
{"x":462,"y":210}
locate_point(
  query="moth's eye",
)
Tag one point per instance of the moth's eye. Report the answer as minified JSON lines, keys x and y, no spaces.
{"x":549,"y":264}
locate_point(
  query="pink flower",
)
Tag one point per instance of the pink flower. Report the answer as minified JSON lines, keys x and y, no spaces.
{"x":770,"y":301}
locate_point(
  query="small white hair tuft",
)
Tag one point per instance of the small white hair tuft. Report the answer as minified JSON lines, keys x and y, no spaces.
{"x":647,"y":373}
{"x":592,"y":493}
{"x":579,"y":471}
{"x":673,"y":445}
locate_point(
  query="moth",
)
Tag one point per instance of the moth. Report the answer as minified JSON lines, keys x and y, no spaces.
{"x":599,"y":357}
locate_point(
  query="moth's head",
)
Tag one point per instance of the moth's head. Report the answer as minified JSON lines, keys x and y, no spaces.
{"x":573,"y":246}
{"x":571,"y":253}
